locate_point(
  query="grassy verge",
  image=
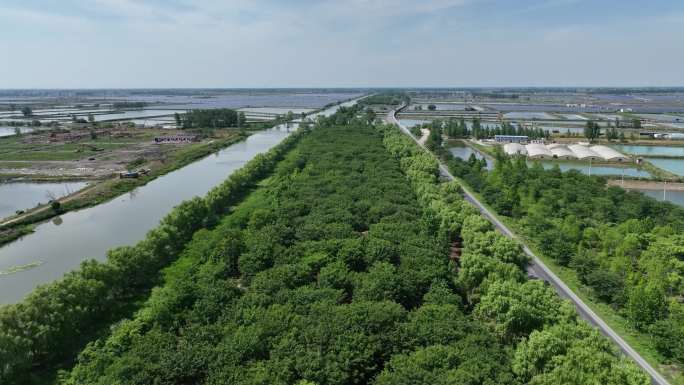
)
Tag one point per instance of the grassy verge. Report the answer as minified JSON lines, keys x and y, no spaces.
{"x":111,"y":188}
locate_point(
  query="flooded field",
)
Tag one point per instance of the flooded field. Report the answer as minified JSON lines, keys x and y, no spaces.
{"x":21,"y":196}
{"x":9,"y":131}
{"x":135,"y":114}
{"x":528,"y":115}
{"x":675,"y":166}
{"x":440,"y":106}
{"x":596,"y":170}
{"x":412,"y":122}
{"x":662,"y":118}
{"x":650,"y":150}
{"x":464,"y":152}
{"x":573,"y":117}
{"x":275,"y":110}
{"x":676,"y":197}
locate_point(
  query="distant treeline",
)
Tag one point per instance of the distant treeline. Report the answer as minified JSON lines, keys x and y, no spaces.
{"x":214,"y":118}
{"x":128,"y":105}
{"x":391,"y":99}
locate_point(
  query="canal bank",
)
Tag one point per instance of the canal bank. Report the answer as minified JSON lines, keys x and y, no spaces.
{"x":16,"y":226}
{"x":61,"y":245}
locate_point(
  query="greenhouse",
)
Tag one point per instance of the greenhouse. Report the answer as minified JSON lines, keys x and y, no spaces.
{"x":584,"y":152}
{"x":610,"y":154}
{"x":562,"y":152}
{"x":538,"y":151}
{"x":514,"y":149}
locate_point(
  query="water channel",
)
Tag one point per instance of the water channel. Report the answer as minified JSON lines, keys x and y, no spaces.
{"x":650,"y":150}
{"x":595,"y":170}
{"x":464,"y":152}
{"x":59,"y":246}
{"x":675,"y":166}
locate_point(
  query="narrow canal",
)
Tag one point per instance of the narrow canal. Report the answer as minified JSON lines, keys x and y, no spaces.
{"x":60,"y":245}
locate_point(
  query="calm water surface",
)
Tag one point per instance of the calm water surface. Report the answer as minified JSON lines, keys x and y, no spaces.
{"x":9,"y":131}
{"x":464,"y":152}
{"x":675,"y":166}
{"x":650,"y":150}
{"x":61,"y":245}
{"x":676,"y":197}
{"x":596,"y":170}
{"x":22,"y":196}
{"x":408,"y":123}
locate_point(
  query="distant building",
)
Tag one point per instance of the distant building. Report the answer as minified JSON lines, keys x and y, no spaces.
{"x":511,"y":138}
{"x":583,"y":152}
{"x":514,"y":149}
{"x":538,"y":151}
{"x":176,"y":139}
{"x":609,"y":154}
{"x":562,"y":152}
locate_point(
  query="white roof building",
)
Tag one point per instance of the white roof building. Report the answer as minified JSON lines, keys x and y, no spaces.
{"x":583,"y":152}
{"x":514,"y":149}
{"x":538,"y":151}
{"x":562,"y":152}
{"x":610,"y":154}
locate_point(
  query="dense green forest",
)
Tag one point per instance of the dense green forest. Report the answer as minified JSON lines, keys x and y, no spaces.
{"x":334,"y":269}
{"x":628,"y":248}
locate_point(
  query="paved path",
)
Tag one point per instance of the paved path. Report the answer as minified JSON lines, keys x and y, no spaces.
{"x":539,"y":270}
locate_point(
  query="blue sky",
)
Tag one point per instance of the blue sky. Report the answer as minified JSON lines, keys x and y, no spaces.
{"x":351,"y":43}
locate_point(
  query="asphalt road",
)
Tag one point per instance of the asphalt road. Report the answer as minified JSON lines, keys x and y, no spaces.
{"x":538,"y":269}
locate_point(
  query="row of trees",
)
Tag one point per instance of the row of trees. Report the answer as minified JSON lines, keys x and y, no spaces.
{"x":458,"y":128}
{"x":627,"y":248}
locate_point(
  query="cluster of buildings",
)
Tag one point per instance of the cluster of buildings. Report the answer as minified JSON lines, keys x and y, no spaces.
{"x":561,"y":151}
{"x":176,"y":139}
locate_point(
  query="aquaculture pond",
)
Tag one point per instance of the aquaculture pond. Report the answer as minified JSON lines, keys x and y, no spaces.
{"x":23,"y":195}
{"x":642,"y":150}
{"x":412,"y":122}
{"x":676,"y":197}
{"x":464,"y":152}
{"x":675,"y":166}
{"x":596,"y":170}
{"x":9,"y":131}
